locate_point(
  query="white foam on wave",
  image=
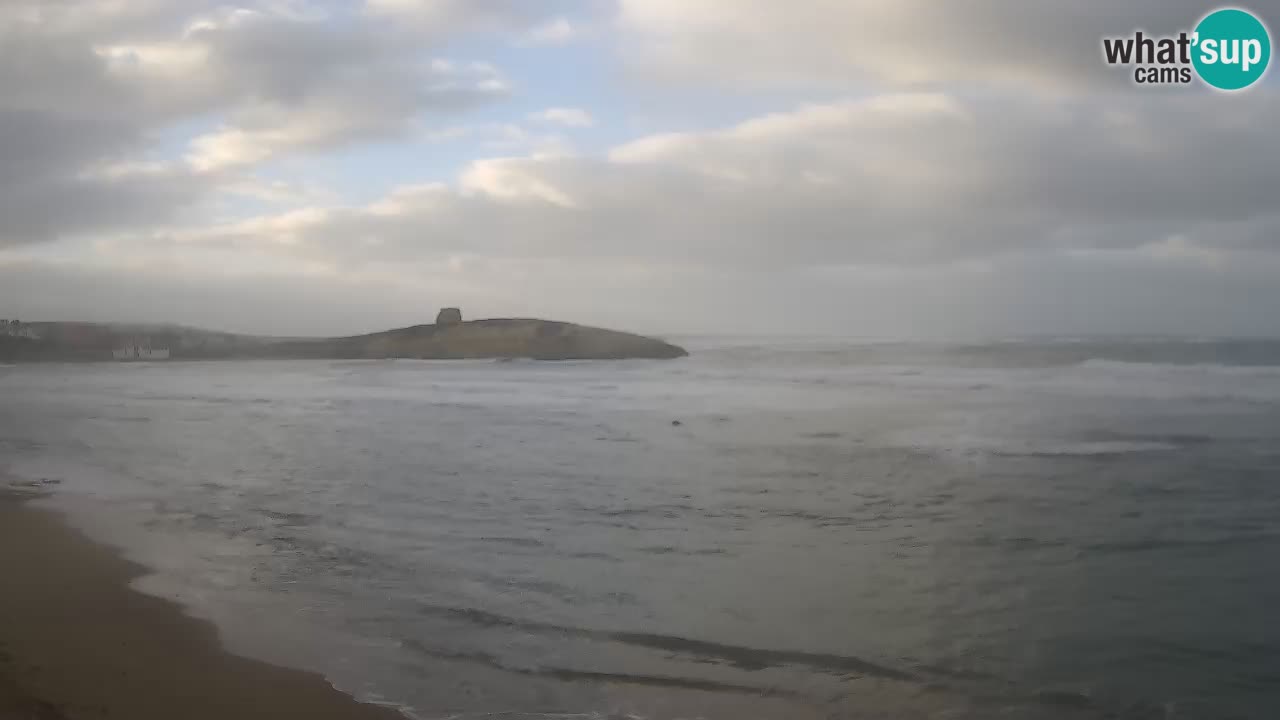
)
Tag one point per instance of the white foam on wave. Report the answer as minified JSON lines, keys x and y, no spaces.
{"x":1215,"y":368}
{"x":962,"y":444}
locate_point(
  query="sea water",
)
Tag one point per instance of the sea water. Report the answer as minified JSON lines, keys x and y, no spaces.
{"x":768,"y":528}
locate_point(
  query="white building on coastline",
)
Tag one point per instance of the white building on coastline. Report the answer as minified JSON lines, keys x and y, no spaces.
{"x":140,"y":349}
{"x":15,"y":328}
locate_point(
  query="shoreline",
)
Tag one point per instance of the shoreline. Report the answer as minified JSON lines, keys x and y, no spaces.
{"x":76,"y":641}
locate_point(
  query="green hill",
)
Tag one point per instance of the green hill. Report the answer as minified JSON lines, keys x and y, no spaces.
{"x":497,"y":338}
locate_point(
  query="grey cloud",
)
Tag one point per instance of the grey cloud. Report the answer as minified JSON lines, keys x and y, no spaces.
{"x":36,"y":147}
{"x":762,"y":43}
{"x":85,"y":86}
{"x":982,"y":207}
{"x":894,"y":180}
{"x":104,"y":19}
{"x":42,"y":72}
{"x":61,"y":206}
{"x":277,"y":59}
{"x":60,"y":115}
{"x":288,"y":85}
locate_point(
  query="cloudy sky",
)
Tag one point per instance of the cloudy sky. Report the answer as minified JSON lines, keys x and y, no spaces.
{"x":854,"y":167}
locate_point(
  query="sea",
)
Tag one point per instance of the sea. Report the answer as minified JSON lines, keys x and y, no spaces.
{"x":768,"y":528}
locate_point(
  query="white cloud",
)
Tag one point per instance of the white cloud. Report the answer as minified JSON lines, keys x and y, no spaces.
{"x":509,"y":179}
{"x":567,"y":117}
{"x":558,"y":31}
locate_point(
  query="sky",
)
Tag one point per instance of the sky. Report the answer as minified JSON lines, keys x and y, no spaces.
{"x":914,"y":169}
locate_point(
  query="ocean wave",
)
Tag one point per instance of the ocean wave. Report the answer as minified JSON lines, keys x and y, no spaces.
{"x":1011,"y":447}
{"x":1156,"y":544}
{"x":1102,"y":363}
{"x":571,"y":674}
{"x":1097,"y":448}
{"x":743,"y":658}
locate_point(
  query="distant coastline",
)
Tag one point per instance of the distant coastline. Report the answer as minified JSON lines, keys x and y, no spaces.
{"x":451,"y":339}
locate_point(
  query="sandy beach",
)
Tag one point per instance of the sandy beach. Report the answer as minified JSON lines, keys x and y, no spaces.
{"x":76,"y":642}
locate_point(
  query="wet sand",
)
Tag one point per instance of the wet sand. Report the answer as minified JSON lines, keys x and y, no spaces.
{"x":76,"y":642}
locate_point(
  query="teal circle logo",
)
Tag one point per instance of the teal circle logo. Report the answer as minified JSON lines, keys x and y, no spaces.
{"x":1231,"y":49}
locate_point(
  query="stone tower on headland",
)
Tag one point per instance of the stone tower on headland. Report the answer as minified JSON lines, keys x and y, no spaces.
{"x":449,"y":316}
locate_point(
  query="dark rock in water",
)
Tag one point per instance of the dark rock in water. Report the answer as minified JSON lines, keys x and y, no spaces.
{"x":449,"y":316}
{"x":676,"y":423}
